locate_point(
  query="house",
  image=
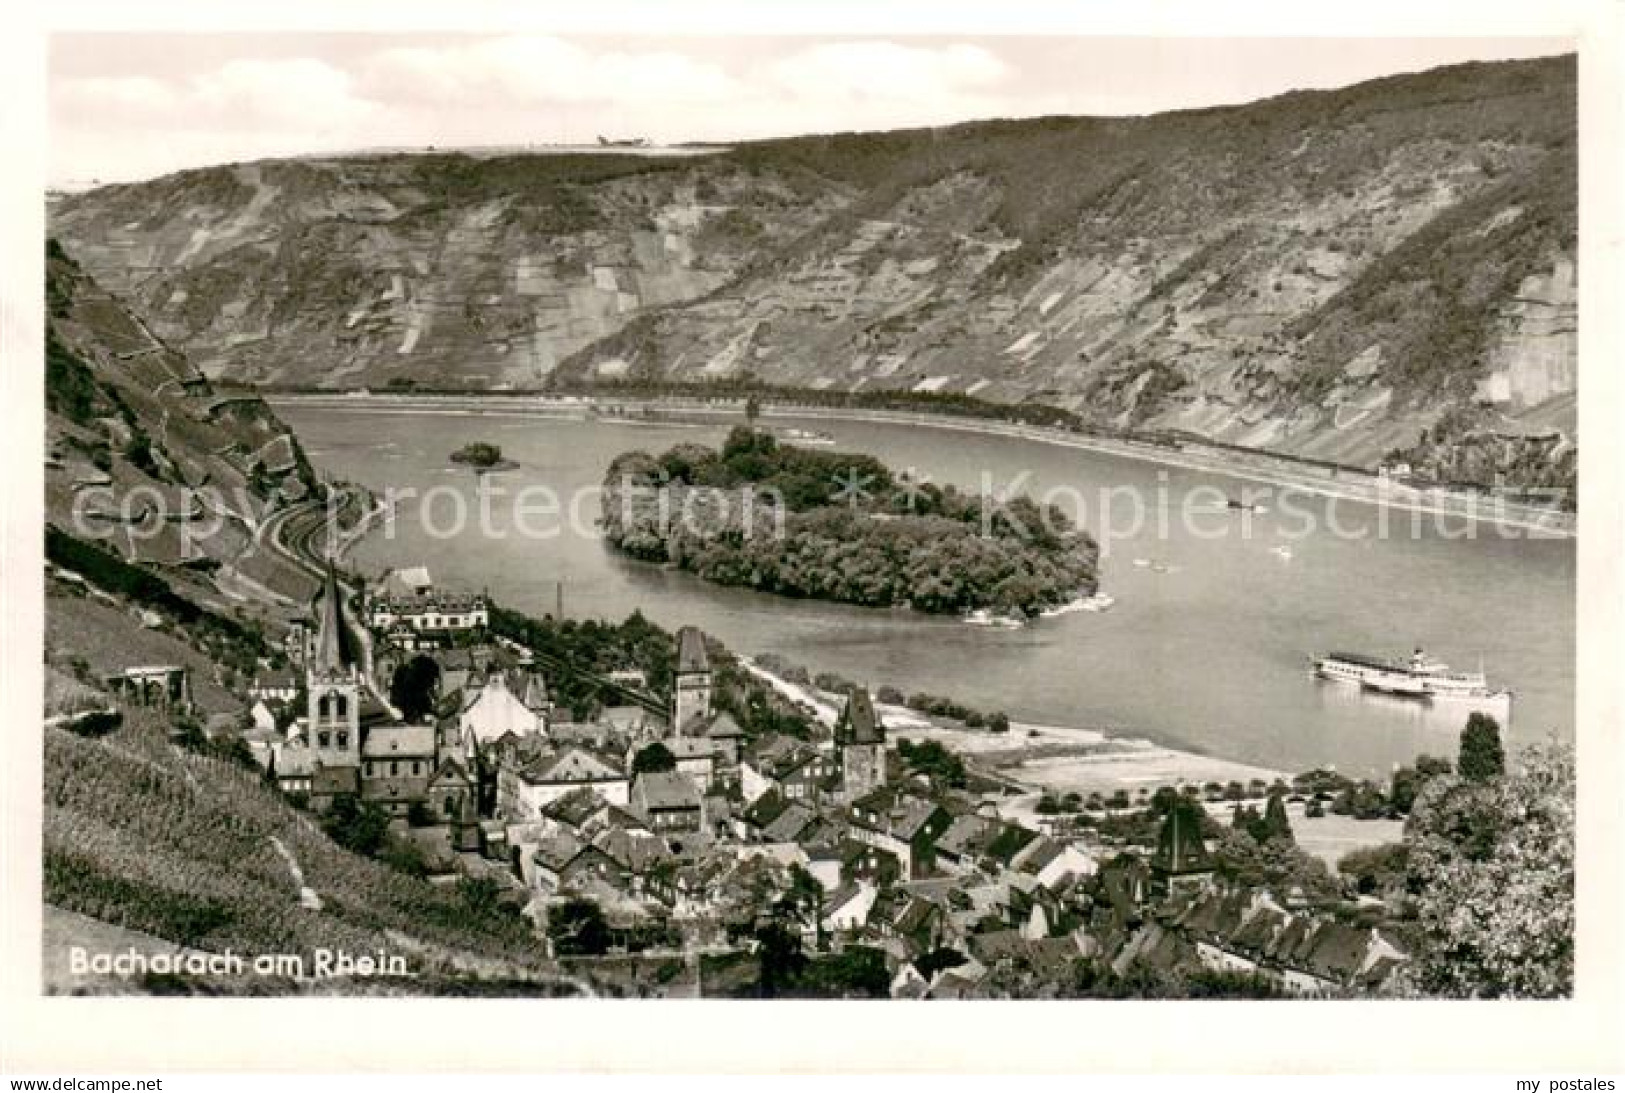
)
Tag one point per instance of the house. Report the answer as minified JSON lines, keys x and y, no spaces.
{"x":450,"y":786}
{"x":165,"y":686}
{"x":726,"y":737}
{"x":696,"y":757}
{"x":397,"y":763}
{"x":1248,"y":932}
{"x":293,"y":766}
{"x":630,"y":722}
{"x":328,"y":783}
{"x":846,"y":910}
{"x":902,"y":824}
{"x":600,"y":735}
{"x":263,"y":717}
{"x":430,"y":611}
{"x":907,"y":918}
{"x":528,"y":783}
{"x":493,"y":711}
{"x":1008,"y":843}
{"x":796,"y":769}
{"x":1052,"y":862}
{"x":277,"y":685}
{"x":639,"y":853}
{"x":965,"y":843}
{"x":865,"y":861}
{"x":574,"y":811}
{"x":908,"y":983}
{"x":692,"y":886}
{"x":824,"y":862}
{"x":773,"y":818}
{"x":668,"y":801}
{"x":563,"y":861}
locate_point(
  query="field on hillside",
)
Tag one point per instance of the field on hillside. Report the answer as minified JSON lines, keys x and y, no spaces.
{"x":202,"y":853}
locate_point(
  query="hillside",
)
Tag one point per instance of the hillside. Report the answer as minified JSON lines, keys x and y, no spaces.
{"x":1322,"y":273}
{"x":146,"y":458}
{"x":195,"y":851}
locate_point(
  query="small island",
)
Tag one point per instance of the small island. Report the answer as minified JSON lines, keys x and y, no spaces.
{"x":843,"y":527}
{"x":483,"y":457}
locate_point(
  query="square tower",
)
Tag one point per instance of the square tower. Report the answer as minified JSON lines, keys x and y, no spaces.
{"x":691,"y":683}
{"x":860,"y":741}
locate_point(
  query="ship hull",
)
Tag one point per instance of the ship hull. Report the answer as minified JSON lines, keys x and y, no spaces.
{"x":1430,"y":684}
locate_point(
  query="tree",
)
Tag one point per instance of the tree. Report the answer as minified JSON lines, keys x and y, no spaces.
{"x":412,"y":687}
{"x":857,"y":971}
{"x":1482,"y":756}
{"x":577,"y":927}
{"x":1376,"y":869}
{"x":359,"y":826}
{"x":1429,"y":766}
{"x":1276,"y":825}
{"x":999,"y":722}
{"x":1408,"y":781}
{"x":1492,"y":863}
{"x":654,"y":759}
{"x":779,"y":958}
{"x":1403,"y":788}
{"x":753,"y":409}
{"x":482,"y":894}
{"x":936,"y":762}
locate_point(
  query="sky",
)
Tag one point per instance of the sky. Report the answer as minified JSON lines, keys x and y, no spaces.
{"x":136,"y":105}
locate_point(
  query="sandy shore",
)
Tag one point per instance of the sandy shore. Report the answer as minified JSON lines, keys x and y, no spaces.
{"x":1043,"y":757}
{"x":1056,"y":759}
{"x":1252,"y":466}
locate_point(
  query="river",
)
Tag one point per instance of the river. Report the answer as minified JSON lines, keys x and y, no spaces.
{"x":1206,"y":649}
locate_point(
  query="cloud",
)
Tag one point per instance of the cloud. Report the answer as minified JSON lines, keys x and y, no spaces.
{"x":105,"y":99}
{"x":292,"y":93}
{"x":515,"y":89}
{"x":886,"y":71}
{"x":244,"y":95}
{"x":519,"y":71}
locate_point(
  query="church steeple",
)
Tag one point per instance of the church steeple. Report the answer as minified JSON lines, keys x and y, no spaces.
{"x":333,"y":683}
{"x":335,"y":644}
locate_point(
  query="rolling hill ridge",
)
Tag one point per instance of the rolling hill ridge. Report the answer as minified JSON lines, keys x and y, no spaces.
{"x":1382,"y":270}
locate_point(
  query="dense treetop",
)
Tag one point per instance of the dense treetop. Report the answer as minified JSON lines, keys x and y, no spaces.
{"x":842,"y":526}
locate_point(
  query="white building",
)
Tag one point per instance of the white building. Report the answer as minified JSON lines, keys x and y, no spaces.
{"x":525,"y":789}
{"x":493,"y":711}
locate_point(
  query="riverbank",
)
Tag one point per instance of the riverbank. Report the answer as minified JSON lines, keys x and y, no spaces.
{"x":1053,"y":758}
{"x":1258,"y":466}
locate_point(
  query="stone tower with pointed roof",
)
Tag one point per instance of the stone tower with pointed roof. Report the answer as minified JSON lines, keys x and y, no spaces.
{"x":333,"y":683}
{"x":860,"y":744}
{"x":691,"y":683}
{"x":1181,"y":860}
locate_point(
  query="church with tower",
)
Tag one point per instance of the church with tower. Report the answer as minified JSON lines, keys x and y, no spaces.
{"x":354,"y":742}
{"x":333,"y":685}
